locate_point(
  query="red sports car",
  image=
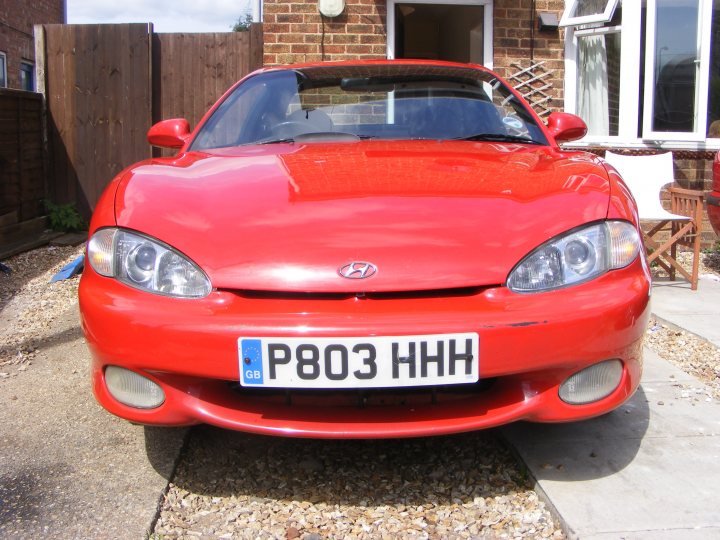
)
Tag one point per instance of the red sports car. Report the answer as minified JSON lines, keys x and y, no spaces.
{"x":374,"y":249}
{"x":713,"y":198}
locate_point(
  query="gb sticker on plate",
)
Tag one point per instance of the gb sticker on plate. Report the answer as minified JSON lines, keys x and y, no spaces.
{"x":251,"y":365}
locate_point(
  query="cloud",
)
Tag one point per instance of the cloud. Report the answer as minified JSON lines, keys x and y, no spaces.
{"x":166,"y":15}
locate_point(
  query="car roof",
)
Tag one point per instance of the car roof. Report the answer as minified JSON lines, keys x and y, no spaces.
{"x":383,"y":67}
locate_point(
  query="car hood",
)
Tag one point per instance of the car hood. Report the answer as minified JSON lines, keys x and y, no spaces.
{"x":427,"y":214}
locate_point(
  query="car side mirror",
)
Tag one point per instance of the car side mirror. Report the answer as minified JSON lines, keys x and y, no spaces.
{"x":566,"y":127}
{"x":172,"y":133}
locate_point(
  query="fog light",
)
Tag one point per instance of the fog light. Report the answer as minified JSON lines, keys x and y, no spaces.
{"x":133,"y":389}
{"x":593,"y":383}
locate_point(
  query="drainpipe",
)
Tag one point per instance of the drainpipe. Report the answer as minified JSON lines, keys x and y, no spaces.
{"x":532,"y":32}
{"x":257,"y":10}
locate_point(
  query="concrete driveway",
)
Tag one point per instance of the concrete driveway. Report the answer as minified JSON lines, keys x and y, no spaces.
{"x":67,"y":468}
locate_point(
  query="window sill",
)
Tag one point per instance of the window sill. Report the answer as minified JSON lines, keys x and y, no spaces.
{"x":707,"y":145}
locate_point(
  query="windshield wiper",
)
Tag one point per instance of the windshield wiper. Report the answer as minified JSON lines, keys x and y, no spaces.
{"x":324,"y":136}
{"x":276,"y":141}
{"x":501,"y":137}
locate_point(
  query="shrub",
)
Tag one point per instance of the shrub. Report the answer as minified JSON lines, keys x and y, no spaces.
{"x":64,"y":217}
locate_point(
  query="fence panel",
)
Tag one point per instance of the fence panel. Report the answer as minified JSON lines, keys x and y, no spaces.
{"x":22,"y":175}
{"x":99,"y":105}
{"x":106,"y":85}
{"x":191,"y":71}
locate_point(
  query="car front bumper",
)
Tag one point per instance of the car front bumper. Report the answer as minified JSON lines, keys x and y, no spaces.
{"x":529,"y":345}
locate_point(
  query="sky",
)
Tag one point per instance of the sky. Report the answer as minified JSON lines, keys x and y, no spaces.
{"x":166,"y":15}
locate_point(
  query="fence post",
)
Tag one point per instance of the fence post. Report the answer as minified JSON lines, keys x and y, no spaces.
{"x":256,"y":46}
{"x":41,"y":82}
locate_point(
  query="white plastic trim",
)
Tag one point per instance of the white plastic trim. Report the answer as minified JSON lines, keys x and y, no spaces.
{"x":601,"y":17}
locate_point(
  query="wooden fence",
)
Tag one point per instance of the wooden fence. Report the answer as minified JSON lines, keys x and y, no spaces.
{"x":107,"y":84}
{"x":98,"y":98}
{"x":22,"y":179}
{"x":191,"y":71}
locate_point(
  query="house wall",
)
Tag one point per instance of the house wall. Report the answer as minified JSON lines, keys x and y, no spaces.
{"x":515,"y":41}
{"x":17,"y":18}
{"x":693,"y":170}
{"x":294,"y":31}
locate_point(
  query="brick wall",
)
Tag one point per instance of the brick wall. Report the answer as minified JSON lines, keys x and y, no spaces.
{"x":512,"y":42}
{"x":693,"y":170}
{"x":295,"y":32}
{"x":17,"y":18}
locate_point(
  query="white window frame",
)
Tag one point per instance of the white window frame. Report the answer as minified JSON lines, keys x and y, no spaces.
{"x":4,"y":70}
{"x":629,"y":81}
{"x":702,"y":76}
{"x":630,"y":50}
{"x":605,"y":16}
{"x":487,"y":24}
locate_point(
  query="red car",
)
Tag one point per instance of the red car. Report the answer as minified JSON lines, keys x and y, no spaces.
{"x":375,"y":249}
{"x":713,"y":198}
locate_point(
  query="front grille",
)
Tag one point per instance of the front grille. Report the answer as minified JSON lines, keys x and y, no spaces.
{"x":381,"y":295}
{"x":367,"y":397}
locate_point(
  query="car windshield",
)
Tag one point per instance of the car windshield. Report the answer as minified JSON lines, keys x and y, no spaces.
{"x":377,"y":101}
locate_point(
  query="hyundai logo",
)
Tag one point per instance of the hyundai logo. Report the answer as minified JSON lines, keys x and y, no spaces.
{"x":358,"y":270}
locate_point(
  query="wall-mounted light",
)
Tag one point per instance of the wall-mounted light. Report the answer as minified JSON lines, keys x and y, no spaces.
{"x":331,"y":8}
{"x":547,"y":21}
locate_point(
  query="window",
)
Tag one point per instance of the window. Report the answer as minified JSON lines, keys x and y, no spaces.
{"x":3,"y":70}
{"x":27,"y":76}
{"x":653,"y":65}
{"x":598,"y":77}
{"x":587,"y":11}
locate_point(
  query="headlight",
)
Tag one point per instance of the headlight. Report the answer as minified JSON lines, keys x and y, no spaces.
{"x":576,"y":257}
{"x":146,"y":264}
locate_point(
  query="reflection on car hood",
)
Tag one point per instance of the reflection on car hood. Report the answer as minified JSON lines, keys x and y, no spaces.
{"x":427,"y":214}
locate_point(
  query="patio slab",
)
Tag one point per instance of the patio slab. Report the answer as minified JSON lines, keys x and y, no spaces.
{"x":645,"y":471}
{"x":695,"y":311}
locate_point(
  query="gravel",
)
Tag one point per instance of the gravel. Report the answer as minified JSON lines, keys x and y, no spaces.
{"x":691,"y":354}
{"x":709,"y":267}
{"x":237,"y":485}
{"x":29,"y":304}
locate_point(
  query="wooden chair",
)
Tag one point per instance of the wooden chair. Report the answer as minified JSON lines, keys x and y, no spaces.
{"x":645,"y":176}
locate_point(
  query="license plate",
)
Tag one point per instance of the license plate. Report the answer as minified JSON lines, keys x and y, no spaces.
{"x":366,"y":362}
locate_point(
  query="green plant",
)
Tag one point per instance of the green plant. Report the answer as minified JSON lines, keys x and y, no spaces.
{"x":243,"y":23}
{"x":64,"y":217}
{"x":713,"y":250}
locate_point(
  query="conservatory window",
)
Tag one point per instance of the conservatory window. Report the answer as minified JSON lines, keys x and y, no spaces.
{"x":648,"y":75}
{"x":579,"y":12}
